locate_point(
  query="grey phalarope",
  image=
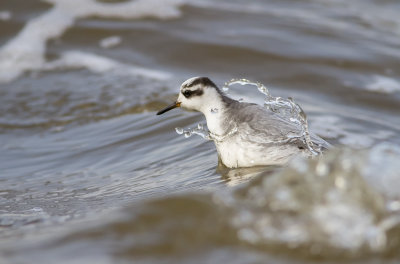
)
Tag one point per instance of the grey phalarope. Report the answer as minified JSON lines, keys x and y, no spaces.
{"x":245,"y":134}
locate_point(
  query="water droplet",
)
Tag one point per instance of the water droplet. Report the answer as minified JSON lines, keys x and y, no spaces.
{"x":225,"y":89}
{"x":214,"y":110}
{"x":199,"y":130}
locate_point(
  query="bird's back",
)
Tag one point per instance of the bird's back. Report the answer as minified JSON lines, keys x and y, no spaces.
{"x":271,"y":138}
{"x":265,"y":126}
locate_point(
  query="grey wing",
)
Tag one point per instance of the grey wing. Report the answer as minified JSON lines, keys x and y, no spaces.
{"x":265,"y":127}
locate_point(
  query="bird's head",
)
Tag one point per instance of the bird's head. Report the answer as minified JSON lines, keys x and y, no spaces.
{"x":197,"y":94}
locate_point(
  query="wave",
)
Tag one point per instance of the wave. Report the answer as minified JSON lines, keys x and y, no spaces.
{"x":26,"y":51}
{"x":344,"y":205}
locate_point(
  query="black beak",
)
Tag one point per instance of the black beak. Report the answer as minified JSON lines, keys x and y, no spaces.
{"x":170,"y":107}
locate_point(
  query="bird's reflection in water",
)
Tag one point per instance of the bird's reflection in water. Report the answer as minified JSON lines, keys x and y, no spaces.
{"x":233,"y":177}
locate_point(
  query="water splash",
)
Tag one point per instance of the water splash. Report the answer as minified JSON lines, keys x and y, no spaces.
{"x":298,"y":212}
{"x":203,"y":131}
{"x":220,"y":138}
{"x":314,"y":201}
{"x":200,"y":130}
{"x":287,"y":109}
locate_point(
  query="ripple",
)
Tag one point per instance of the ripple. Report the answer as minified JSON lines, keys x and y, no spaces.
{"x":312,"y":209}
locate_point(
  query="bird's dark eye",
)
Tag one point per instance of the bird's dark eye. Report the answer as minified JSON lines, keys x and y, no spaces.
{"x":187,"y":93}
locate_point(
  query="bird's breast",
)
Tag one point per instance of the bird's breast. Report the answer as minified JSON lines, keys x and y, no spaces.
{"x":235,"y":152}
{"x":216,"y":122}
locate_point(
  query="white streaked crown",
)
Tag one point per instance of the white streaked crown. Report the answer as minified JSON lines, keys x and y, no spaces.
{"x":200,"y":94}
{"x":189,"y":81}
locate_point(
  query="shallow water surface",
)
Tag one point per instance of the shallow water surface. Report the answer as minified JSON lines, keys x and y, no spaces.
{"x":89,"y":173}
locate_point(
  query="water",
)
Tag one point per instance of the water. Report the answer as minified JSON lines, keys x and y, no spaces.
{"x":89,"y":173}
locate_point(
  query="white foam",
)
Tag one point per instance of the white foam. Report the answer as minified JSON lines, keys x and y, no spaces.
{"x":383,"y":169}
{"x":383,"y":84}
{"x":5,"y":15}
{"x":99,"y":64}
{"x":26,"y":51}
{"x":334,"y":216}
{"x":110,"y":42}
{"x":317,"y":204}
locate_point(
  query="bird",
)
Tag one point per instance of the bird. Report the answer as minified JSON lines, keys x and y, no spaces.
{"x":245,"y":134}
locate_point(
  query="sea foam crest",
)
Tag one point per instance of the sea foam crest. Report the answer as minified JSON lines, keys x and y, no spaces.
{"x":26,"y":51}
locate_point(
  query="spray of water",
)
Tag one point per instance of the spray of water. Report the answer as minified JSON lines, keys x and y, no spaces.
{"x":286,"y":108}
{"x":200,"y":130}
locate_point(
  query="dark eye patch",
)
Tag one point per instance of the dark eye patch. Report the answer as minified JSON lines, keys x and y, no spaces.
{"x":187,"y":93}
{"x":190,"y":93}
